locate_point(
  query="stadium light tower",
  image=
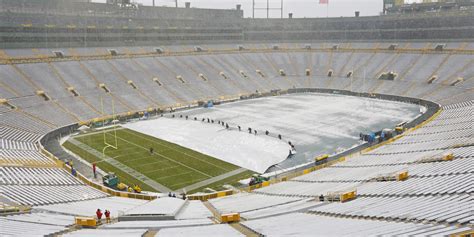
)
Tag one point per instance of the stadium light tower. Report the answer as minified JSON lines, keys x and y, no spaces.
{"x":267,"y":8}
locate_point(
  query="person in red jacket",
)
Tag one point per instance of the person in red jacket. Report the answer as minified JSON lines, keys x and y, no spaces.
{"x":99,"y":215}
{"x":107,"y":216}
{"x":94,"y":170}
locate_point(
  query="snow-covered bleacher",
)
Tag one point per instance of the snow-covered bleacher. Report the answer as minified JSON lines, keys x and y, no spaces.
{"x":16,"y":145}
{"x":208,"y":230}
{"x":36,"y":176}
{"x":115,"y":205}
{"x":23,"y":157}
{"x":47,"y":194}
{"x":449,"y":209}
{"x":107,"y":233}
{"x":437,"y":185}
{"x":300,"y":224}
{"x":12,"y":134}
{"x":20,"y":228}
{"x":193,"y":210}
{"x":248,"y":201}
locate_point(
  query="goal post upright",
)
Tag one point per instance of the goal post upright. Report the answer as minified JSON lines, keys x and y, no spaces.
{"x":114,"y":129}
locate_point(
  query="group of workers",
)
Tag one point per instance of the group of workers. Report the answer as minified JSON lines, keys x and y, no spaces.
{"x":226,"y":125}
{"x":183,"y":196}
{"x":99,"y":216}
{"x":250,"y":130}
{"x":71,"y":164}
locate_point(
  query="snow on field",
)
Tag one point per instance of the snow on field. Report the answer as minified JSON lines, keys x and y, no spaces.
{"x":315,"y":123}
{"x":252,"y":152}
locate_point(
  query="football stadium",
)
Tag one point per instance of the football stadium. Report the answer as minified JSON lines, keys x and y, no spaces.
{"x":162,"y":118}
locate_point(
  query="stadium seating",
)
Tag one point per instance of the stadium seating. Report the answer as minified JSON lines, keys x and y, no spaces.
{"x":32,"y":195}
{"x":446,"y":133}
{"x":45,"y":93}
{"x":323,"y":225}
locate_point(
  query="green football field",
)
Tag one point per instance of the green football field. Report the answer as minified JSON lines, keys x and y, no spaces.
{"x":170,"y":165}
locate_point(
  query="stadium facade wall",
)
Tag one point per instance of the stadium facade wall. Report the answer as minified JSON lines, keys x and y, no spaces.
{"x":94,"y":25}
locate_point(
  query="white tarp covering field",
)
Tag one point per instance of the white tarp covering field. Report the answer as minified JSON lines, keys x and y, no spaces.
{"x":315,"y":123}
{"x":252,"y":152}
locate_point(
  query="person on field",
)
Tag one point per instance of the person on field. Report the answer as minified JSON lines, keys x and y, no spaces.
{"x":94,"y":170}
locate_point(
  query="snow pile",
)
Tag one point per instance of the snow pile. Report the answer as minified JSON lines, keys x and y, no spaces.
{"x":246,"y":150}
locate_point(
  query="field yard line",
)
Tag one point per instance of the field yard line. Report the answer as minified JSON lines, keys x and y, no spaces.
{"x":153,"y":163}
{"x":167,"y":168}
{"x":174,"y":175}
{"x":121,"y":166}
{"x":170,"y":148}
{"x":191,"y":168}
{"x":176,"y":150}
{"x":185,"y":182}
{"x":213,"y":179}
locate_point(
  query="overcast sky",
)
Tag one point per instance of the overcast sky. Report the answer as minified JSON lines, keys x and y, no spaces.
{"x":299,"y":8}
